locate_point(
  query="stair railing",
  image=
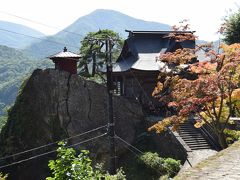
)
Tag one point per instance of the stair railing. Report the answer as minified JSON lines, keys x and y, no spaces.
{"x":210,"y":138}
{"x":205,"y":132}
{"x":170,"y":131}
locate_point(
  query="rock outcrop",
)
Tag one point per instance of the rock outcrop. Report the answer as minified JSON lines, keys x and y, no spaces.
{"x":54,"y":105}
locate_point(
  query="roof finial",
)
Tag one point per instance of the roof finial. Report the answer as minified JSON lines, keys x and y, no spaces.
{"x":64,"y":49}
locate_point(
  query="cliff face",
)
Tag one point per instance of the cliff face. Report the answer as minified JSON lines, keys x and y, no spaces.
{"x":54,"y":105}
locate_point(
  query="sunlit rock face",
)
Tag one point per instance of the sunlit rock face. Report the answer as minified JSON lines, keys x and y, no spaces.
{"x":54,"y":105}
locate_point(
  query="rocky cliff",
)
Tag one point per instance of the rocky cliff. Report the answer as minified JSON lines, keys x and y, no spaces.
{"x":54,"y":105}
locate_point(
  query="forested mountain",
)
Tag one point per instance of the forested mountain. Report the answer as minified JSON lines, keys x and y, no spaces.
{"x":99,"y":19}
{"x":15,"y":66}
{"x":11,"y":35}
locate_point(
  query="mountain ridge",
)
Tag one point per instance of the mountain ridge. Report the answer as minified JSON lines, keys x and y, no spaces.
{"x":16,"y":64}
{"x":98,"y":19}
{"x":16,"y":35}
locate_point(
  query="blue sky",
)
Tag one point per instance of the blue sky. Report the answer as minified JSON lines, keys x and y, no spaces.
{"x":205,"y":16}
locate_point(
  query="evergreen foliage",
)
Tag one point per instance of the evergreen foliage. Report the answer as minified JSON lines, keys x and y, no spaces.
{"x":232,"y":27}
{"x":93,"y":51}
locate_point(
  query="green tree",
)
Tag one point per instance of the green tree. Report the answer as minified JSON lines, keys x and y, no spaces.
{"x":231,"y":28}
{"x":3,"y":177}
{"x":93,"y":51}
{"x":69,"y":166}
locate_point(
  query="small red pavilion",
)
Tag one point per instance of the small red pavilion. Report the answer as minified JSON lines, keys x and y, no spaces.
{"x":66,"y":60}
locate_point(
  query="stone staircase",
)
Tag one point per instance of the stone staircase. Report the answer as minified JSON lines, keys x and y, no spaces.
{"x":193,"y":137}
{"x":194,"y":143}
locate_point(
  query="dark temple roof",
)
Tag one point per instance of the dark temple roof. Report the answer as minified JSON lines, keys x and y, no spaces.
{"x":141,"y":48}
{"x":158,"y":32}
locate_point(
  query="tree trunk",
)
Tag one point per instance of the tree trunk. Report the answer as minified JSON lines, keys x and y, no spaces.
{"x":222,"y":140}
{"x":86,"y":71}
{"x":94,"y":64}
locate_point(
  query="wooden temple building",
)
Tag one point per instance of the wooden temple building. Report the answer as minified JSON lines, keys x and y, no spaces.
{"x":136,"y":69}
{"x":66,"y":60}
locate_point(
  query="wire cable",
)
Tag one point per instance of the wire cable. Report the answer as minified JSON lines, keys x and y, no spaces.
{"x":40,"y":23}
{"x":139,"y":151}
{"x":126,"y":146}
{"x":39,"y":38}
{"x":88,"y":140}
{"x":46,"y":145}
{"x":50,"y":152}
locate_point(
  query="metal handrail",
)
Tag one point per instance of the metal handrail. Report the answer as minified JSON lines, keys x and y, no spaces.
{"x":210,"y":138}
{"x":170,"y":130}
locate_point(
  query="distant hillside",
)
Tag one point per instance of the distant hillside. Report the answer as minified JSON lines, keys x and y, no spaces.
{"x":99,"y":19}
{"x":10,"y":39}
{"x":15,"y":66}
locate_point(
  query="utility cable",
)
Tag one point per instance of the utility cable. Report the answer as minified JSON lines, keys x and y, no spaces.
{"x":40,"y":23}
{"x":46,"y":145}
{"x":50,"y":152}
{"x":88,"y":140}
{"x":139,"y":151}
{"x":39,"y":38}
{"x":130,"y":149}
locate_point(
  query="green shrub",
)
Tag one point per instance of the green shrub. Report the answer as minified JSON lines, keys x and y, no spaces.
{"x":171,"y":166}
{"x":164,"y":177}
{"x":152,"y":161}
{"x":3,"y":177}
{"x":229,"y":140}
{"x":119,"y":176}
{"x":162,"y":166}
{"x":231,"y":135}
{"x":72,"y":167}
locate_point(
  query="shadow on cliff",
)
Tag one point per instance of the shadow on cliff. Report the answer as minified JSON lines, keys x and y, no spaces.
{"x":54,"y":105}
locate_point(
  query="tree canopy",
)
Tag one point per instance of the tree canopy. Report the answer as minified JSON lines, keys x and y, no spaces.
{"x":211,"y":97}
{"x":231,"y":28}
{"x":93,"y":50}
